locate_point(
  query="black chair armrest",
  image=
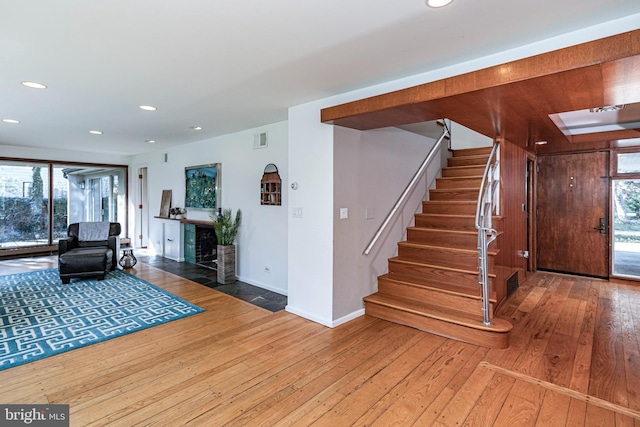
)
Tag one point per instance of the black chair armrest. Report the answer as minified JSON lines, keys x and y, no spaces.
{"x":65,"y":245}
{"x":114,"y":245}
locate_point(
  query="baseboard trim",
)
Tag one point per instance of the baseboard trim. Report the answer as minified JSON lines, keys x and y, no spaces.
{"x":347,"y":318}
{"x":328,"y":323}
{"x":262,"y":285}
{"x":308,"y":316}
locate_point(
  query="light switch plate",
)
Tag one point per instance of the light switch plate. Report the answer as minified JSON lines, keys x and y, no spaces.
{"x":344,"y":213}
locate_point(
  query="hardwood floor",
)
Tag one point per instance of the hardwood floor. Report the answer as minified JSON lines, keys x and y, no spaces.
{"x":574,"y":360}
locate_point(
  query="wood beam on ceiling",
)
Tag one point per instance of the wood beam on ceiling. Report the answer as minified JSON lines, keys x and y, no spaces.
{"x":512,"y":100}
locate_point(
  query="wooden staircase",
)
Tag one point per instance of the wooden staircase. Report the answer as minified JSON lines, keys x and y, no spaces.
{"x":433,"y":284}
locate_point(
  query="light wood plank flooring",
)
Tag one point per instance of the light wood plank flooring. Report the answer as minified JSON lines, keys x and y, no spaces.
{"x":574,"y":360}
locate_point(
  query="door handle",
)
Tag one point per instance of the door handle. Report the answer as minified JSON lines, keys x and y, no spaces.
{"x":603,"y":226}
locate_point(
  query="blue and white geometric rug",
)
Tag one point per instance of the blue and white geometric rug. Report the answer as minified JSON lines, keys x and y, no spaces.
{"x":41,"y":317}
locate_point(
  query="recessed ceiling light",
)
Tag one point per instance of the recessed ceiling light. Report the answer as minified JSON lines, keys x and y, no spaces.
{"x":33,"y":85}
{"x":12,"y":121}
{"x":95,"y":132}
{"x":151,"y":141}
{"x":195,"y":127}
{"x":148,"y":108}
{"x":438,"y":3}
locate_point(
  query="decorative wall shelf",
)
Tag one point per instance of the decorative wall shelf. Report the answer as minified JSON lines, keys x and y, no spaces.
{"x":271,"y":186}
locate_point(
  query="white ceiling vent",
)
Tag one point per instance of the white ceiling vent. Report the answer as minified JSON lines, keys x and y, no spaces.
{"x":260,"y":140}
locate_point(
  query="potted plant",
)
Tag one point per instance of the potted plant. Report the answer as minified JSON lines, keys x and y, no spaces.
{"x":177,"y":212}
{"x":226,"y":228}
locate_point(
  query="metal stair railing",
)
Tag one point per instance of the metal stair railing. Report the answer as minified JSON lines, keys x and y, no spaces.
{"x":416,"y":177}
{"x":487,"y":204}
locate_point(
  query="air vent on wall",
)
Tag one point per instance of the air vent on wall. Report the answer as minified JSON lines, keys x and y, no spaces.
{"x":260,"y":140}
{"x":512,"y":284}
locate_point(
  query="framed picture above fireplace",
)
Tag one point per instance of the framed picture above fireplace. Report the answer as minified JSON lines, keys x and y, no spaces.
{"x":202,"y":186}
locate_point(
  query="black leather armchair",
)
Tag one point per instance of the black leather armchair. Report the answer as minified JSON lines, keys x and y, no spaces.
{"x":79,"y":258}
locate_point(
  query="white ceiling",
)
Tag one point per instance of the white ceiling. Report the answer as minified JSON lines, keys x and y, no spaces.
{"x":229,"y":65}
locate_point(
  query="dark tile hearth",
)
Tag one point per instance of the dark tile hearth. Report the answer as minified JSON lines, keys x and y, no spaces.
{"x":266,"y":299}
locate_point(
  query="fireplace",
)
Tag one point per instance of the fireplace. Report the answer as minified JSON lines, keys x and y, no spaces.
{"x":206,"y":246}
{"x":200,"y":243}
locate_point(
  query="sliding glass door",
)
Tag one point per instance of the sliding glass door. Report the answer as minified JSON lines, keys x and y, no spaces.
{"x":24,"y":204}
{"x":39,"y":199}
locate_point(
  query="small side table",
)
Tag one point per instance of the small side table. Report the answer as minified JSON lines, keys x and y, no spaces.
{"x":128,"y":260}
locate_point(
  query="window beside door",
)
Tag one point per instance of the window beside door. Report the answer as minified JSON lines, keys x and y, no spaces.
{"x":625,"y":207}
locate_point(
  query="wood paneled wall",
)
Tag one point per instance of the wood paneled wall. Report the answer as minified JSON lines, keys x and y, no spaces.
{"x":514,"y":100}
{"x":513,"y":196}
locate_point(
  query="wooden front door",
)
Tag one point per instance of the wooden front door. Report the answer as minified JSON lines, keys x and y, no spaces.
{"x":573,"y":196}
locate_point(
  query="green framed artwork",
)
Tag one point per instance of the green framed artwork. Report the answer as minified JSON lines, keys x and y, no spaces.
{"x":202,"y":186}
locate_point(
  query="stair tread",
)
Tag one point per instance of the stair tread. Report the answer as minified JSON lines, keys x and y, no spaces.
{"x":463,"y":166}
{"x":451,"y":202}
{"x":449,"y":288}
{"x":441,"y":267}
{"x":443,"y":230}
{"x":472,"y":156}
{"x":437,"y":312}
{"x":482,"y":149}
{"x":444,"y":248}
{"x":456,"y":189}
{"x":447,"y":230}
{"x":455,"y":215}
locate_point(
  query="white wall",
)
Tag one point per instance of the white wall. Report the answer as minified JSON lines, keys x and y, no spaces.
{"x":262,"y":239}
{"x":463,"y":137}
{"x":371,"y":170}
{"x":310,"y":242}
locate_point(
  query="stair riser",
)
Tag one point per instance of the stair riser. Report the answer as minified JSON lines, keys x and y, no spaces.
{"x":442,"y":238}
{"x":422,"y":274}
{"x":445,"y":257}
{"x":467,"y":161}
{"x":445,"y":222}
{"x":439,"y":327}
{"x":450,"y":183}
{"x":469,"y":306}
{"x":480,"y":151}
{"x":466,"y":208}
{"x":463,"y":171}
{"x":437,"y":237}
{"x":455,"y":194}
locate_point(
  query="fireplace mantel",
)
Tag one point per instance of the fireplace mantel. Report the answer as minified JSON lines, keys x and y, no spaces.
{"x":199,"y":223}
{"x":183,"y":220}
